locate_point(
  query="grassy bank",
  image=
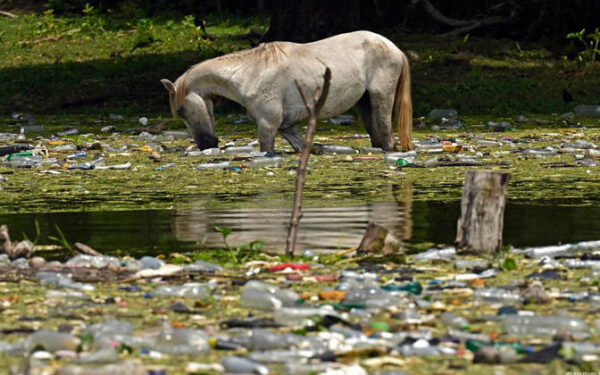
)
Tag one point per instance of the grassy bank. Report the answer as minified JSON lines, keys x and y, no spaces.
{"x":93,"y":63}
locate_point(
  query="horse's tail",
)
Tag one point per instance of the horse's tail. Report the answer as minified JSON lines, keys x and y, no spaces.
{"x":404,"y":108}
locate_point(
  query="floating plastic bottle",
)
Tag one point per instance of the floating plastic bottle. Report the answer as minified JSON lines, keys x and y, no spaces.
{"x":414,"y":287}
{"x":91,"y":261}
{"x":462,"y":264}
{"x":153,"y":263}
{"x":82,"y":166}
{"x":551,"y":251}
{"x":371,"y":150}
{"x":206,"y":166}
{"x":464,"y":336}
{"x":576,"y":263}
{"x":263,"y":162}
{"x":498,"y":295}
{"x":394,"y":157}
{"x":455,"y":321}
{"x":123,"y":166}
{"x":51,"y":341}
{"x":61,"y":281}
{"x":103,"y":355}
{"x":59,"y":295}
{"x":238,"y":149}
{"x":544,"y":326}
{"x":188,"y":290}
{"x":241,"y":365}
{"x":201,"y":265}
{"x":320,"y":149}
{"x":121,"y":368}
{"x":257,"y":294}
{"x":446,"y":253}
{"x":300,"y":316}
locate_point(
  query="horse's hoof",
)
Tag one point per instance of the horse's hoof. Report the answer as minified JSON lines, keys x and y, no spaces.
{"x":270,"y":154}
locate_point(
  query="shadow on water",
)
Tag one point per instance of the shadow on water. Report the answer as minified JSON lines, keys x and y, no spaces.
{"x":338,"y":226}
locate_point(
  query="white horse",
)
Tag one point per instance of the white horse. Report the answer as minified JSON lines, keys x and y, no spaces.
{"x":367,"y":70}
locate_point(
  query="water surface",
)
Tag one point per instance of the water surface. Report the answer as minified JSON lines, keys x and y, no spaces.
{"x":322,"y":228}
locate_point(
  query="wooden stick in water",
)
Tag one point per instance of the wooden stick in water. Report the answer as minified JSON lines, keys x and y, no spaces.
{"x":313,"y":107}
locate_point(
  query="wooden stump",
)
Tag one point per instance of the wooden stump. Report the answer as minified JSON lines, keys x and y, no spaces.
{"x":378,"y":239}
{"x":482,"y":211}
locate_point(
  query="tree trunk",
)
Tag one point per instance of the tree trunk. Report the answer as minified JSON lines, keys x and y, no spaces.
{"x":309,"y":20}
{"x":482,"y":211}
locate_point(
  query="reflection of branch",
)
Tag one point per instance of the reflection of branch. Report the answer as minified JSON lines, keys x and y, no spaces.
{"x":7,"y":14}
{"x":313,"y":106}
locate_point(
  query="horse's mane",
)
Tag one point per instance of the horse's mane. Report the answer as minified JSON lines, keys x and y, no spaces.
{"x":265,"y":53}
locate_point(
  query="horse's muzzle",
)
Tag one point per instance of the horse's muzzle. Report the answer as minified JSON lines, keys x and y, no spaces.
{"x":205,"y":141}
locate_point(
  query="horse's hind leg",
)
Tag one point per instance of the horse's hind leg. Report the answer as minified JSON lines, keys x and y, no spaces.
{"x":293,"y":136}
{"x":382,"y":103}
{"x":366,"y":114}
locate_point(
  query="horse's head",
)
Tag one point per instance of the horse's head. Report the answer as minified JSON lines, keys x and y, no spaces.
{"x":195,"y":113}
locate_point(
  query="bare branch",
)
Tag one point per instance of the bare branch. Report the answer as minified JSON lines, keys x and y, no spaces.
{"x":324,"y":91}
{"x":313,"y":110}
{"x":438,"y":16}
{"x":7,"y":14}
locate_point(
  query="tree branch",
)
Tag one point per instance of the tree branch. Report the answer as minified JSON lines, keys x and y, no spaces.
{"x":7,"y":14}
{"x":313,"y":109}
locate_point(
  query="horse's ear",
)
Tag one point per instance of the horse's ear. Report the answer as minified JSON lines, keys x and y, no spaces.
{"x":168,"y":85}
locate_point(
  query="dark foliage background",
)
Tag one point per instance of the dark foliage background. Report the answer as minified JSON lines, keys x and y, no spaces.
{"x":303,"y":20}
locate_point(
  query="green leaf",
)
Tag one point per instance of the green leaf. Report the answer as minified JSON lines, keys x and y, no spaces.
{"x":509,"y":264}
{"x":224,"y":231}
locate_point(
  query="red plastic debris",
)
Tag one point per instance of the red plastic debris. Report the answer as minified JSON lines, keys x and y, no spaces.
{"x":294,"y":266}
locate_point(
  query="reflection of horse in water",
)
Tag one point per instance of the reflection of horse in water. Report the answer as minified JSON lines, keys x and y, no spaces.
{"x":320,"y":228}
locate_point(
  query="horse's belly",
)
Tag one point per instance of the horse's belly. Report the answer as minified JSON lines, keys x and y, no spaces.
{"x":342,"y":96}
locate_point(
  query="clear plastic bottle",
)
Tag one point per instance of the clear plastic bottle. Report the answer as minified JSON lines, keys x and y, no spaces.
{"x":51,"y":341}
{"x":463,"y":264}
{"x":147,"y":262}
{"x":205,"y":166}
{"x":106,"y":354}
{"x":498,"y":295}
{"x":59,"y":295}
{"x":264,"y":162}
{"x":91,"y":261}
{"x":431,"y":254}
{"x":320,"y":149}
{"x":123,"y":166}
{"x":299,"y":368}
{"x":257,"y":294}
{"x":188,"y":290}
{"x":61,"y":281}
{"x":464,"y":336}
{"x":371,"y":150}
{"x":241,"y":365}
{"x":299,"y":316}
{"x":120,"y":368}
{"x":238,"y":149}
{"x":455,"y":321}
{"x":544,"y":326}
{"x":577,"y":263}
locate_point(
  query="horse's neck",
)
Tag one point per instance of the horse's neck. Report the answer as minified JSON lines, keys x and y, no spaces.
{"x":216,"y":79}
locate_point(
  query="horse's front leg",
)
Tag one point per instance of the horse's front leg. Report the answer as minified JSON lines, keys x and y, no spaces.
{"x":266,"y":135}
